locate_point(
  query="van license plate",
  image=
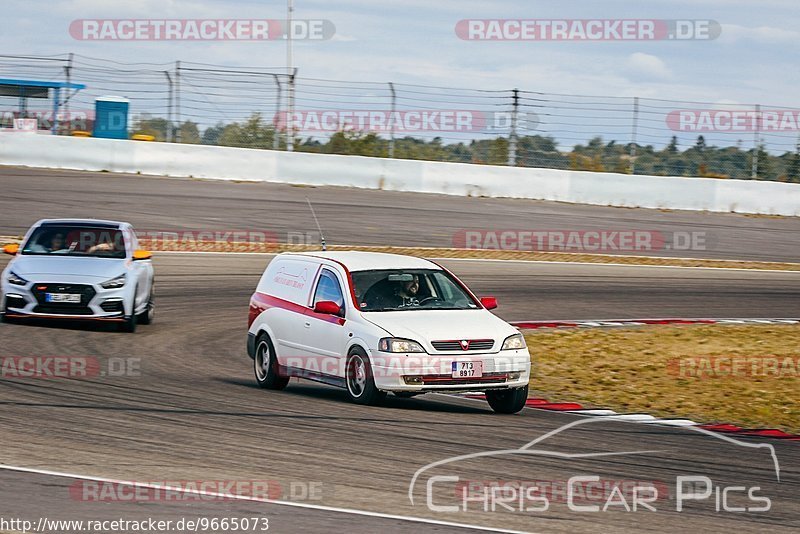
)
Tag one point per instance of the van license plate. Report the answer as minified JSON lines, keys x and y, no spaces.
{"x":467,"y":369}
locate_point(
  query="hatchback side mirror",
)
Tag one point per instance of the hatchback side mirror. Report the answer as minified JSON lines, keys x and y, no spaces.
{"x":139,"y":255}
{"x":12,"y":249}
{"x":327,"y":306}
{"x":489,"y":303}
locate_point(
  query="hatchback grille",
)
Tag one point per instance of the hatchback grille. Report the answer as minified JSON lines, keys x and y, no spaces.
{"x":462,"y":345}
{"x":86,"y":292}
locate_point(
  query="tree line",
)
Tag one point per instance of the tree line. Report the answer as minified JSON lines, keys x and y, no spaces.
{"x":698,"y":160}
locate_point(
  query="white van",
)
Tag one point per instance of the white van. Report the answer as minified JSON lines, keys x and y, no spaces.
{"x":376,"y":323}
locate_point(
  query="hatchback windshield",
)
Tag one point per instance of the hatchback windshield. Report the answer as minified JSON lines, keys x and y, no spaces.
{"x":412,"y":289}
{"x":68,"y":240}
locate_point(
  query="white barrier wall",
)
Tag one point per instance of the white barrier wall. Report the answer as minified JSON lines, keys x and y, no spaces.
{"x":226,"y":163}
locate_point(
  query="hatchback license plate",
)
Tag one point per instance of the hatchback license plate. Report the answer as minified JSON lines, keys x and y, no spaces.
{"x":70,"y":298}
{"x":467,"y":369}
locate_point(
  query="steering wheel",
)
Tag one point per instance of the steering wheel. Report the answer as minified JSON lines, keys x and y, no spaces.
{"x":428,"y":299}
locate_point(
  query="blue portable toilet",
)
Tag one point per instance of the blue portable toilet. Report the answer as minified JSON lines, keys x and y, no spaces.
{"x":111,"y":117}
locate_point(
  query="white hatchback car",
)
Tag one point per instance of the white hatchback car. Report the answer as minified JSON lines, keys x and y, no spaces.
{"x":79,"y":269}
{"x":375,"y":323}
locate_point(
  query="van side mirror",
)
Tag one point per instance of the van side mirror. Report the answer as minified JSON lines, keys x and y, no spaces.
{"x":11,"y":249}
{"x":327,"y":306}
{"x":489,"y":303}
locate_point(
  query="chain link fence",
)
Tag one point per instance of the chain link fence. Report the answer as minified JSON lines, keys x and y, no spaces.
{"x":271,"y":109}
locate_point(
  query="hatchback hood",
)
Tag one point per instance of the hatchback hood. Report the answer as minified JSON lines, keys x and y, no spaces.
{"x":425,"y":326}
{"x":32,"y":267}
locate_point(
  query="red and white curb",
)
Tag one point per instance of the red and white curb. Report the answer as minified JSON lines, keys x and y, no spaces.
{"x":643,"y":418}
{"x":535,"y":325}
{"x":611,"y":415}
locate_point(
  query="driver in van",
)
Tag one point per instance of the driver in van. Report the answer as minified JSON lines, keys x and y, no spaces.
{"x":393,"y":294}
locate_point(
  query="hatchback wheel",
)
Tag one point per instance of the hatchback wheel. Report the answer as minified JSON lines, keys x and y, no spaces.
{"x":128,"y":324}
{"x":149,"y":313}
{"x":507,"y":400}
{"x":265,"y":366}
{"x":360,"y":380}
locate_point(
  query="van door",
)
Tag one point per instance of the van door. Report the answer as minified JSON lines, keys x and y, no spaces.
{"x":326,"y":335}
{"x":286,"y":289}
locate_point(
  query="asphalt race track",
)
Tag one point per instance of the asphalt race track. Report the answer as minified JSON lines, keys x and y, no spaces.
{"x":354,"y":216}
{"x":176,"y":401}
{"x":188,"y":410}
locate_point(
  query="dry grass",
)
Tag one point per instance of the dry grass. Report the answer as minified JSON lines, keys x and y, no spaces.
{"x":629,"y":370}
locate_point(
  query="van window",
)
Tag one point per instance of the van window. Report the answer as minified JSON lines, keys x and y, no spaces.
{"x":328,"y":288}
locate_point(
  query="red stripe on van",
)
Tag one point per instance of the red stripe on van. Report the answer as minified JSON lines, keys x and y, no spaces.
{"x":261,"y":302}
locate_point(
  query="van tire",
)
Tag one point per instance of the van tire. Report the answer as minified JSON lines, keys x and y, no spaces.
{"x":360,"y":381}
{"x":507,"y":400}
{"x":265,"y":365}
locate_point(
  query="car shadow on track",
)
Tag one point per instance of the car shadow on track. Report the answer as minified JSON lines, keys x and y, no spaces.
{"x":310,"y":390}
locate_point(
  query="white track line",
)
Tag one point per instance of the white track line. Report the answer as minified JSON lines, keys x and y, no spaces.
{"x":259,"y":499}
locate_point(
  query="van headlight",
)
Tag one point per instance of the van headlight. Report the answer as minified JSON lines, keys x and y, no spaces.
{"x":393,"y":344}
{"x":17,"y":280}
{"x":516,"y":341}
{"x":115,"y":283}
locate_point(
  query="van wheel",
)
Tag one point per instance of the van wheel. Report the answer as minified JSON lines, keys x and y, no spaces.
{"x":507,"y":400}
{"x":265,"y":366}
{"x":360,"y":380}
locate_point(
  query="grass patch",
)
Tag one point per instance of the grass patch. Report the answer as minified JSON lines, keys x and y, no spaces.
{"x":676,"y":371}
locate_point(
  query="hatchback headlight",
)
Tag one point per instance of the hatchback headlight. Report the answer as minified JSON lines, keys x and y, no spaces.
{"x":114,"y":283}
{"x":17,"y":280}
{"x":393,"y":344}
{"x":516,"y":341}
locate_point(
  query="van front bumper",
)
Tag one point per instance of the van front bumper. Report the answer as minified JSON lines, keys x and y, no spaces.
{"x":433,"y":372}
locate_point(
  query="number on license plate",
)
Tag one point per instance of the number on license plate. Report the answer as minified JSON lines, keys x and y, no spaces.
{"x":70,"y":298}
{"x":467,"y":369}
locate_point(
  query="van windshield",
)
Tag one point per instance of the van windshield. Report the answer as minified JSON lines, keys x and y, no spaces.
{"x":409,"y":289}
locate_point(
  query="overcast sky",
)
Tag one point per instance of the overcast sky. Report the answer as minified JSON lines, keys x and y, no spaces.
{"x":414,"y":41}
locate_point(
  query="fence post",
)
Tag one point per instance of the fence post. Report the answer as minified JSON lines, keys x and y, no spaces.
{"x":178,"y":100}
{"x":633,"y":133}
{"x":170,"y":126}
{"x":512,"y":136}
{"x":290,"y":112}
{"x":276,"y":138}
{"x":756,"y":148}
{"x":391,"y":120}
{"x":68,"y":70}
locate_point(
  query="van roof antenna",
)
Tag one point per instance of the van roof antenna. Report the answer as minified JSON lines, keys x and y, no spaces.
{"x":321,"y":235}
